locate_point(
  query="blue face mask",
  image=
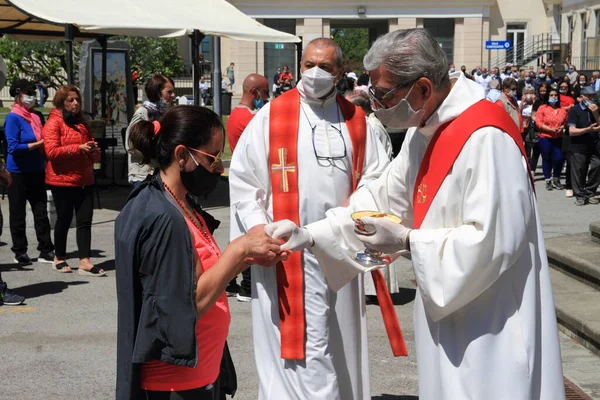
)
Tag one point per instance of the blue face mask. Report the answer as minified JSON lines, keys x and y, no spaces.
{"x":553,"y":100}
{"x":542,"y":76}
{"x":548,"y":80}
{"x":587,"y":103}
{"x":259,"y":103}
{"x":570,"y":70}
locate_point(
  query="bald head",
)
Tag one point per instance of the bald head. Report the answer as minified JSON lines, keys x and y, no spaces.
{"x":324,"y":44}
{"x":255,"y":81}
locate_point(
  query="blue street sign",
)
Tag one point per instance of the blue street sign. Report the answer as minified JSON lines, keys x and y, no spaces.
{"x":498,"y":44}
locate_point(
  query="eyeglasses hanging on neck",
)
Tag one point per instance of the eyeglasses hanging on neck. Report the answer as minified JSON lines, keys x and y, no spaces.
{"x":338,"y":129}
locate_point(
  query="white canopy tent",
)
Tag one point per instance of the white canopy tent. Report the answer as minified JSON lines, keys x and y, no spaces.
{"x":41,"y":19}
{"x":141,"y":18}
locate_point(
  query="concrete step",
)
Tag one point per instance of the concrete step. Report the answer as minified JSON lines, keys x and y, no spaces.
{"x":577,"y":310}
{"x":576,"y":256}
{"x":595,"y":231}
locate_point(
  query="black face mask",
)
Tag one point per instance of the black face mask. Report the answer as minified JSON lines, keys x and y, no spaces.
{"x":199,"y":181}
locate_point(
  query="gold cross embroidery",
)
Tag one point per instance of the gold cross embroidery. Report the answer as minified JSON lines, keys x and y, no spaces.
{"x":422,"y":193}
{"x":284,"y":168}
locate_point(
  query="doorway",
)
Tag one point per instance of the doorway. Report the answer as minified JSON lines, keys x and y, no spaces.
{"x":516,"y":34}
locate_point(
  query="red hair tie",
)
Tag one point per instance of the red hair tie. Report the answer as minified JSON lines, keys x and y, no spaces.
{"x":156,"y":127}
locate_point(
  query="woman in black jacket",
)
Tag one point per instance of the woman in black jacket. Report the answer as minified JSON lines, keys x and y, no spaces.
{"x":173,"y":316}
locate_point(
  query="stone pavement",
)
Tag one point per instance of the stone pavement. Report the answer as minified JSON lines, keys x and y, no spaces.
{"x":61,"y":343}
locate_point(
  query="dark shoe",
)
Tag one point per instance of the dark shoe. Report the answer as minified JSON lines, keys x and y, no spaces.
{"x":62,"y":267}
{"x":8,"y":297}
{"x":244,"y":296}
{"x":22,"y":259}
{"x":46,"y":257}
{"x":593,"y":200}
{"x":580,"y":202}
{"x":556,"y":184}
{"x":371,"y":299}
{"x":549,"y":185}
{"x":232,"y":289}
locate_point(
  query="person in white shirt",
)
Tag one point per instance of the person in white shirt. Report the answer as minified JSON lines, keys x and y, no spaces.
{"x":203,"y":86}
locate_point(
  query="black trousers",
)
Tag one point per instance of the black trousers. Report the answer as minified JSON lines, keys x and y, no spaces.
{"x":29,"y":188}
{"x":533,"y":151}
{"x":585,"y":172}
{"x":67,"y":199}
{"x":210,"y":392}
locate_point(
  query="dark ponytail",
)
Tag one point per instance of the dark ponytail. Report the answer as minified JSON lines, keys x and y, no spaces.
{"x":190,"y":126}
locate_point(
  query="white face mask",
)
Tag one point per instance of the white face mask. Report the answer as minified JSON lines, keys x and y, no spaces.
{"x":317,"y":83}
{"x":402,"y":115}
{"x":28,"y":101}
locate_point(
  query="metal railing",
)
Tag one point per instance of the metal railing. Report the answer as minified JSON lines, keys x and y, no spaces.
{"x":586,"y":63}
{"x":523,"y":53}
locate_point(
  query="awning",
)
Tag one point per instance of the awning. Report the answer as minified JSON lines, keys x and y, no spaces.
{"x":135,"y":18}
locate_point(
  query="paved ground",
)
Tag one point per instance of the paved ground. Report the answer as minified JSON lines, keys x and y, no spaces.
{"x":61,"y":344}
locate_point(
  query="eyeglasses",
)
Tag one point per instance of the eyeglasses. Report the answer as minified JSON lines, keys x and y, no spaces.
{"x":217,"y":158}
{"x":329,"y":158}
{"x":378,"y":95}
{"x":338,"y":130}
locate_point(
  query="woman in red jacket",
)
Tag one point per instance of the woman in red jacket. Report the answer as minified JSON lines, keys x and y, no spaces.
{"x":71,"y":153}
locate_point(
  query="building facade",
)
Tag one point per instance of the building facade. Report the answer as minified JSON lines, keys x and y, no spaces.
{"x":537,"y":29}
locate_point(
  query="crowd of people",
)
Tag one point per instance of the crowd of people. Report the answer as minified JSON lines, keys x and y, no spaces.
{"x":56,"y":155}
{"x":558,"y":119}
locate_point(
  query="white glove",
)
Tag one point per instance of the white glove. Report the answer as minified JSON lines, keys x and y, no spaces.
{"x":389,"y":238}
{"x":296,"y":238}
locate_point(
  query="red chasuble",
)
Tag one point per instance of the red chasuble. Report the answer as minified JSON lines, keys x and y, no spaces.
{"x":446,"y":145}
{"x":283,"y":156}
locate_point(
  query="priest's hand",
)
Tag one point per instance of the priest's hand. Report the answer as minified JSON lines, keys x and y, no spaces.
{"x":296,"y":238}
{"x":390,"y":237}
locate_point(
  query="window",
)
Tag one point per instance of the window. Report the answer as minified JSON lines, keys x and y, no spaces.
{"x":280,"y":54}
{"x":442,"y":30}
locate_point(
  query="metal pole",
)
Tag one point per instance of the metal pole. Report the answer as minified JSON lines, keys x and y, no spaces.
{"x":216,"y":75}
{"x":69,"y":35}
{"x":196,"y":37}
{"x":299,"y":51}
{"x":103,"y":44}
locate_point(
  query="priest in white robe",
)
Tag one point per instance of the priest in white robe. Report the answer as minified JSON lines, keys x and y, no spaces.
{"x":485,"y":325}
{"x":336,"y":356}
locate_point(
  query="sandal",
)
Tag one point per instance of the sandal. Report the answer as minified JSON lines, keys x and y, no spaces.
{"x":62,"y":267}
{"x":94,"y":271}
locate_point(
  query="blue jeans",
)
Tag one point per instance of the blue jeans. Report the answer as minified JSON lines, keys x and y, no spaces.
{"x":552,"y":157}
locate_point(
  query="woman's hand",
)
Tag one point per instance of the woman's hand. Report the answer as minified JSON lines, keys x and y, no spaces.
{"x":87,"y":147}
{"x":35,"y":145}
{"x":258,"y":245}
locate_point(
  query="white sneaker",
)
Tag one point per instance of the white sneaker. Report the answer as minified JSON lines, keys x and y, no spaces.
{"x":243,"y":299}
{"x":568,"y":193}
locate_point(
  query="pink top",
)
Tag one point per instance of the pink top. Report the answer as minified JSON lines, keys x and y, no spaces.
{"x":552,"y":118}
{"x":211,"y":332}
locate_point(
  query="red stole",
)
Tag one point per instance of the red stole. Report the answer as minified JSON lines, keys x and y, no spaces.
{"x":446,"y":145}
{"x":283,"y":156}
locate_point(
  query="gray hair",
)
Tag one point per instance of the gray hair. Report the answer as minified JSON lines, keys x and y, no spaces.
{"x":410,"y":54}
{"x":528,"y":90}
{"x":360,"y":98}
{"x":326,"y":42}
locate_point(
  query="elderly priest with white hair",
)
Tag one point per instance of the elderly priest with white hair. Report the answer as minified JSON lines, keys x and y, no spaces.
{"x":485,"y":326}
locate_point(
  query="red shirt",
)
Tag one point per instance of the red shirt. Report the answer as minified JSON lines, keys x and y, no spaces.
{"x":552,"y":118}
{"x":286,"y":75}
{"x":566,"y":100}
{"x":211,"y":332}
{"x":238,"y":120}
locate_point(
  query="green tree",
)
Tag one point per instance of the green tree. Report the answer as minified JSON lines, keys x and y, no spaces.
{"x":47,"y":59}
{"x":354,"y":43}
{"x":38,"y":59}
{"x":154,"y":55}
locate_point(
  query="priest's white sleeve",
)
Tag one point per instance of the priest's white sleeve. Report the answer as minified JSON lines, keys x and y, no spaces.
{"x":249,"y":178}
{"x":453,"y":266}
{"x":376,"y":159}
{"x":336,"y":244}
